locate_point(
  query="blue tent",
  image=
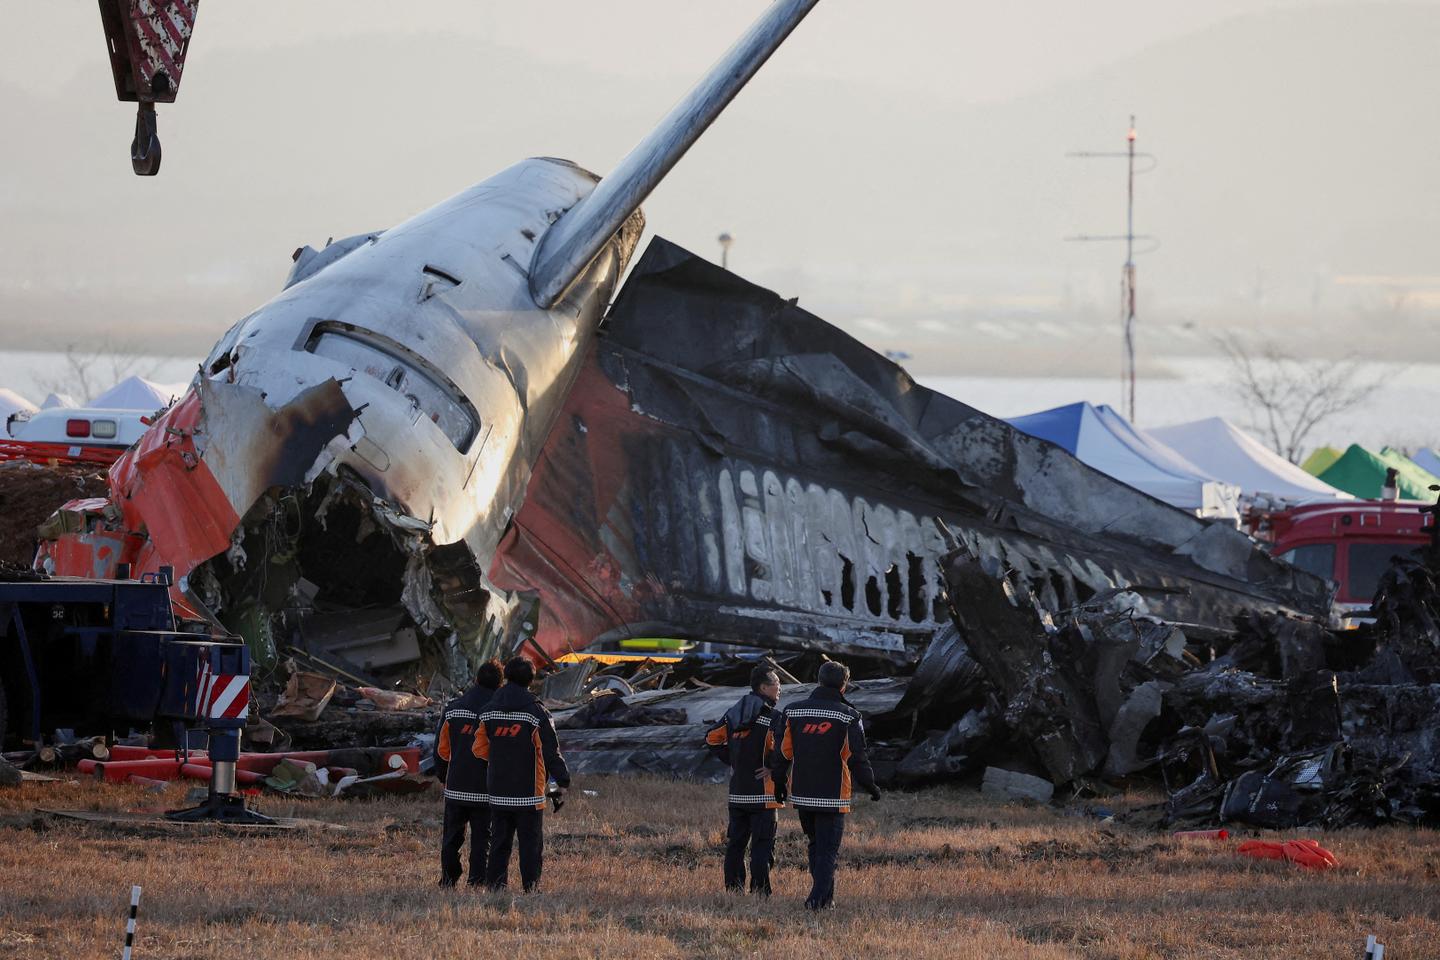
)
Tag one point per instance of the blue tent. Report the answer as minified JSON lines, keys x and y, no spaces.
{"x":1101,"y":438}
{"x":1428,"y":460}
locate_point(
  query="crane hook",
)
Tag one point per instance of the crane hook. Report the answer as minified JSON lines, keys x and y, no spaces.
{"x":145,"y":148}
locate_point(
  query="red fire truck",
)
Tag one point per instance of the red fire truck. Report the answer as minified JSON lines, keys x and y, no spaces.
{"x":1347,"y":541}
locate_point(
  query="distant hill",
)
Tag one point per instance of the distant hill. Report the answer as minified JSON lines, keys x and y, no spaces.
{"x":1296,"y":148}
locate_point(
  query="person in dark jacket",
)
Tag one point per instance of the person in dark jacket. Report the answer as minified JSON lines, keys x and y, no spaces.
{"x":464,"y":776}
{"x":517,"y":737}
{"x":822,"y":752}
{"x":744,"y":739}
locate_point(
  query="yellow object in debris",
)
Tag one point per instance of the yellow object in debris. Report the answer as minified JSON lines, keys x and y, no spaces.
{"x":609,"y":658}
{"x":655,"y":643}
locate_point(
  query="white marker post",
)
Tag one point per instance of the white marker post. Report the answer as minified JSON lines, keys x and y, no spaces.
{"x":130,"y":924}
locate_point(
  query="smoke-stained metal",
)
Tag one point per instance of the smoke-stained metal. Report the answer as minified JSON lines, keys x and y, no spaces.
{"x":732,"y":467}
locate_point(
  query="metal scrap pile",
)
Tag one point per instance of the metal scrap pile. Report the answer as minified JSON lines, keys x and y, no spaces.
{"x":1277,"y":722}
{"x":317,"y":710}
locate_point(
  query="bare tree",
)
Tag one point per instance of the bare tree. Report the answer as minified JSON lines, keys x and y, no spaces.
{"x":93,"y":369}
{"x":1289,"y":397}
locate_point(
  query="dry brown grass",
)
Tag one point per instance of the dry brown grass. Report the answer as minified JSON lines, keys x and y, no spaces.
{"x":634,"y":872}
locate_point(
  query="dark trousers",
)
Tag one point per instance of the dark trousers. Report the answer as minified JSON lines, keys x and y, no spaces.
{"x":457,"y":817}
{"x":824,"y":829}
{"x":754,"y":828}
{"x":506,"y":824}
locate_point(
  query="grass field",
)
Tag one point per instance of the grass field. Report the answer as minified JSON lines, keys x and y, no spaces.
{"x":634,"y":872}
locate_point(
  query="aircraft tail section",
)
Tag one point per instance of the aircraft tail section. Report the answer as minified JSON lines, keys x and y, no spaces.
{"x":572,"y":243}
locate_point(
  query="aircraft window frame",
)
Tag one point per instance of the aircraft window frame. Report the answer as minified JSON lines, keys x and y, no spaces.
{"x":407,"y":363}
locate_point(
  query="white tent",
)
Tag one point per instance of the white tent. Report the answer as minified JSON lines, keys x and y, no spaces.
{"x":1101,"y":438}
{"x":59,"y":400}
{"x":1223,"y":450}
{"x":136,"y":393}
{"x":12,"y":403}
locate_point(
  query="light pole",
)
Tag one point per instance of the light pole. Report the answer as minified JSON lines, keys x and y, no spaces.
{"x":725,"y":241}
{"x":1129,"y":282}
{"x":1127,"y":276}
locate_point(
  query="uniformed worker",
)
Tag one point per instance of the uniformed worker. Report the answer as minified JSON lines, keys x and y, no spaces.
{"x":517,"y":737}
{"x":464,"y":776}
{"x":822,"y":751}
{"x":744,"y":740}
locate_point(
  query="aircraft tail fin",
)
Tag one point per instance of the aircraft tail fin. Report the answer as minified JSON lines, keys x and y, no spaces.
{"x":569,"y":246}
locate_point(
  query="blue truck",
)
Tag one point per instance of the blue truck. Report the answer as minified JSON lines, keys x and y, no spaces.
{"x":101,"y":656}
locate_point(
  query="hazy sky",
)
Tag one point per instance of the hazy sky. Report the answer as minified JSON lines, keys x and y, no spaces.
{"x":976,"y":51}
{"x":899,"y":162}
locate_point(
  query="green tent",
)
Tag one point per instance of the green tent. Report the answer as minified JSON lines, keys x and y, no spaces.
{"x":1362,"y":473}
{"x":1320,"y":460}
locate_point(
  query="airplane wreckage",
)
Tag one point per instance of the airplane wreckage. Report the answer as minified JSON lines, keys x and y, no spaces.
{"x":460,"y":436}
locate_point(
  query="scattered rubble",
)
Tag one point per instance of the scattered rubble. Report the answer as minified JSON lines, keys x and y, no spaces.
{"x":1276,"y":722}
{"x":676,"y":748}
{"x":305,"y":697}
{"x":608,"y":710}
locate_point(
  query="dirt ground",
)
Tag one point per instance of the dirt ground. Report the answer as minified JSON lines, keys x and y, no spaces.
{"x":634,"y":872}
{"x":29,"y":494}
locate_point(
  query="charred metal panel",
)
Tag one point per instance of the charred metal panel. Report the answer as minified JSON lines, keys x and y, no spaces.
{"x":730,"y":466}
{"x":630,"y":525}
{"x":678,"y":750}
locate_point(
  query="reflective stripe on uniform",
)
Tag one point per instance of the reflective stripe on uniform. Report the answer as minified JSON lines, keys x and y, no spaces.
{"x":467,"y":797}
{"x":818,"y":802}
{"x":516,"y":801}
{"x":506,"y":717}
{"x":817,"y":712}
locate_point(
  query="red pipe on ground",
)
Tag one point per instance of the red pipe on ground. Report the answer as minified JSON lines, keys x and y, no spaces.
{"x":203,"y":771}
{"x":162,"y":765}
{"x":112,"y":771}
{"x":122,"y":752}
{"x":140,"y":781}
